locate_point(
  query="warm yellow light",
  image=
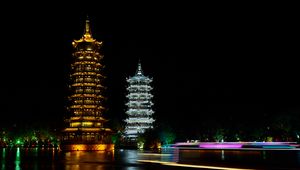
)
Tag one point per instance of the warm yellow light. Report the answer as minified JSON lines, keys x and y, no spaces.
{"x":95,"y":147}
{"x":90,"y":129}
{"x":75,"y":124}
{"x":85,"y":124}
{"x":85,"y":99}
{"x":78,"y":147}
{"x":71,"y":129}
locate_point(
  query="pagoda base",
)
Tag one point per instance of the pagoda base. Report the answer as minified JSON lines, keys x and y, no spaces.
{"x":87,"y":147}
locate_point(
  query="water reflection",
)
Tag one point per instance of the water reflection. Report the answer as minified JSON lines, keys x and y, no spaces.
{"x":264,"y":155}
{"x":87,"y":160}
{"x":264,"y":159}
{"x":35,"y":159}
{"x":3,"y":158}
{"x":18,"y":159}
{"x":222,"y":155}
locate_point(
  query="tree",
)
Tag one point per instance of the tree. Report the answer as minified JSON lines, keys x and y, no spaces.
{"x":167,"y":136}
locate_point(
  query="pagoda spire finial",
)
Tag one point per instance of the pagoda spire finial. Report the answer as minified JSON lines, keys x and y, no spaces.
{"x":139,"y":70}
{"x":87,"y":30}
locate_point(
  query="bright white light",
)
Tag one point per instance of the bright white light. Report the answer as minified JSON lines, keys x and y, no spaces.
{"x":139,"y":104}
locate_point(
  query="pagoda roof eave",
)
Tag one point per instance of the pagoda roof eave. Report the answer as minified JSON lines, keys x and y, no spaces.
{"x":85,"y":129}
{"x":87,"y":40}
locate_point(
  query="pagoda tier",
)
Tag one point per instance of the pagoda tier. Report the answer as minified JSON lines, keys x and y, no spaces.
{"x":86,"y":124}
{"x":139,"y":105}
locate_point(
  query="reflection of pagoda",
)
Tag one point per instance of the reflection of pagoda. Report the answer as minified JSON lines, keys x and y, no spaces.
{"x":139,"y":105}
{"x":85,"y":130}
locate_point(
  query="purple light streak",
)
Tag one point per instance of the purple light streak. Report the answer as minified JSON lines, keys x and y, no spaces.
{"x":220,"y":145}
{"x":231,"y":145}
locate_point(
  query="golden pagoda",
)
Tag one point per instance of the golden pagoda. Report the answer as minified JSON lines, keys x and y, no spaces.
{"x":85,"y":127}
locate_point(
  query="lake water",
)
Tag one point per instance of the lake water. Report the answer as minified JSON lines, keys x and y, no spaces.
{"x":36,"y":159}
{"x":243,"y":158}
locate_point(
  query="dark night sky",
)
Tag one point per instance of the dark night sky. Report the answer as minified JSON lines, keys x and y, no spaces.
{"x":205,"y":60}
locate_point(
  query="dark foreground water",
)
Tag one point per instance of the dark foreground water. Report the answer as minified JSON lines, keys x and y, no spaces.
{"x":36,"y":159}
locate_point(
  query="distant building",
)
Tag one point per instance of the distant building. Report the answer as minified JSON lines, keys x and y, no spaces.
{"x":85,"y":129}
{"x":139,"y":112}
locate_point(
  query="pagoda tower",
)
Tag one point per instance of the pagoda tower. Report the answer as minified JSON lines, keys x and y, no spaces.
{"x":85,"y":126}
{"x":139,"y":112}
